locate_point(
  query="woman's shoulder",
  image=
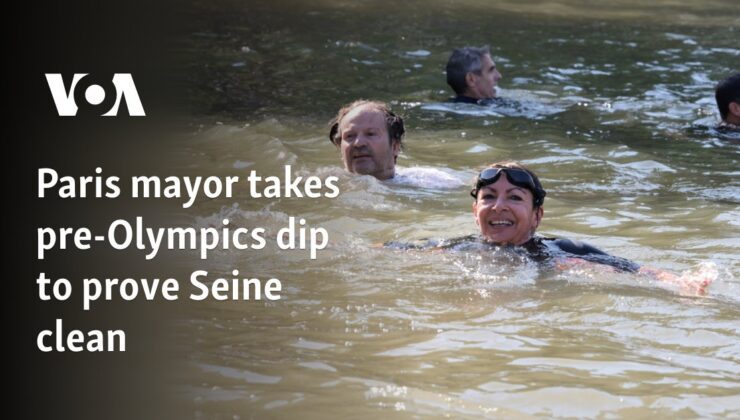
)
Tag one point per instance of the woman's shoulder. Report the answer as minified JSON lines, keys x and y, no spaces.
{"x":574,"y":247}
{"x":587,"y":252}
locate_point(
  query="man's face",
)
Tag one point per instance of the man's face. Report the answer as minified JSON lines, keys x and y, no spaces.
{"x":483,"y":85}
{"x":365,"y":146}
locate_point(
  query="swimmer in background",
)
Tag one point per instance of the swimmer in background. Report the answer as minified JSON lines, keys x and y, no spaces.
{"x":369,"y":137}
{"x":472,"y":74}
{"x":727,"y":94}
{"x":508,"y":208}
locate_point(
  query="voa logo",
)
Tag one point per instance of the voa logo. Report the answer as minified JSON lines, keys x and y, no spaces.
{"x":89,"y":95}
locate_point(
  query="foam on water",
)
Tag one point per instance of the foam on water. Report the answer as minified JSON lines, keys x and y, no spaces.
{"x":430,"y":178}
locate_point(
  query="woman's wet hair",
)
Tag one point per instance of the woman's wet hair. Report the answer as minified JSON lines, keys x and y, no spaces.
{"x":538,"y":193}
{"x":726,"y":92}
{"x":463,"y":61}
{"x":394,"y":123}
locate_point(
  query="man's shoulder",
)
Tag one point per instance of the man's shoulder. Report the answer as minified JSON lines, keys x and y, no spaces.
{"x":725,"y":126}
{"x":462,"y":99}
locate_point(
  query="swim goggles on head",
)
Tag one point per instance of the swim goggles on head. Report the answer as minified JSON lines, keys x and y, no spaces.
{"x":516,"y":176}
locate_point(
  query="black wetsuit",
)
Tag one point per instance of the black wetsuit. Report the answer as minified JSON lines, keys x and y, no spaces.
{"x":728,"y":130}
{"x":462,"y":99}
{"x":496,"y":102}
{"x":549,"y":247}
{"x":538,"y":248}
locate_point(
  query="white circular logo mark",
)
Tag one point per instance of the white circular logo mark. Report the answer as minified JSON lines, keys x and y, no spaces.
{"x":94,"y":94}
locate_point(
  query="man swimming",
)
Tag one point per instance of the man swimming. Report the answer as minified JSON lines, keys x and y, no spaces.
{"x":727,"y":94}
{"x":473,"y":75}
{"x":369,"y":136}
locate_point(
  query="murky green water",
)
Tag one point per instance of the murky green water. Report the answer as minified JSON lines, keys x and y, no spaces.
{"x":615,"y":109}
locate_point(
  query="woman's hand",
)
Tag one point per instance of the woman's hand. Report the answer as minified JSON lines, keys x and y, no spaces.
{"x":691,"y":282}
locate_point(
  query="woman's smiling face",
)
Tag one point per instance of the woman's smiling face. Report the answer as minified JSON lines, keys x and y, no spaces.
{"x":505,"y":214}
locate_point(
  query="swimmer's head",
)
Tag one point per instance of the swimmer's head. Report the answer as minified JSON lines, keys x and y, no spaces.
{"x":508,"y":203}
{"x":727,"y":94}
{"x":517,"y":174}
{"x":471,"y":72}
{"x":370,"y":137}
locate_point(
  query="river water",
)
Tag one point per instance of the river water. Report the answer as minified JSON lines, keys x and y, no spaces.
{"x":612,"y":105}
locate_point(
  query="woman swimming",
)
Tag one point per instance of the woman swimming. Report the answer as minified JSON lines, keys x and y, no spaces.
{"x":508,"y":209}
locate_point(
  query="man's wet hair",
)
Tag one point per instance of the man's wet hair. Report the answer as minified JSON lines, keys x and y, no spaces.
{"x":463,"y":61}
{"x":394,"y":123}
{"x":726,"y":92}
